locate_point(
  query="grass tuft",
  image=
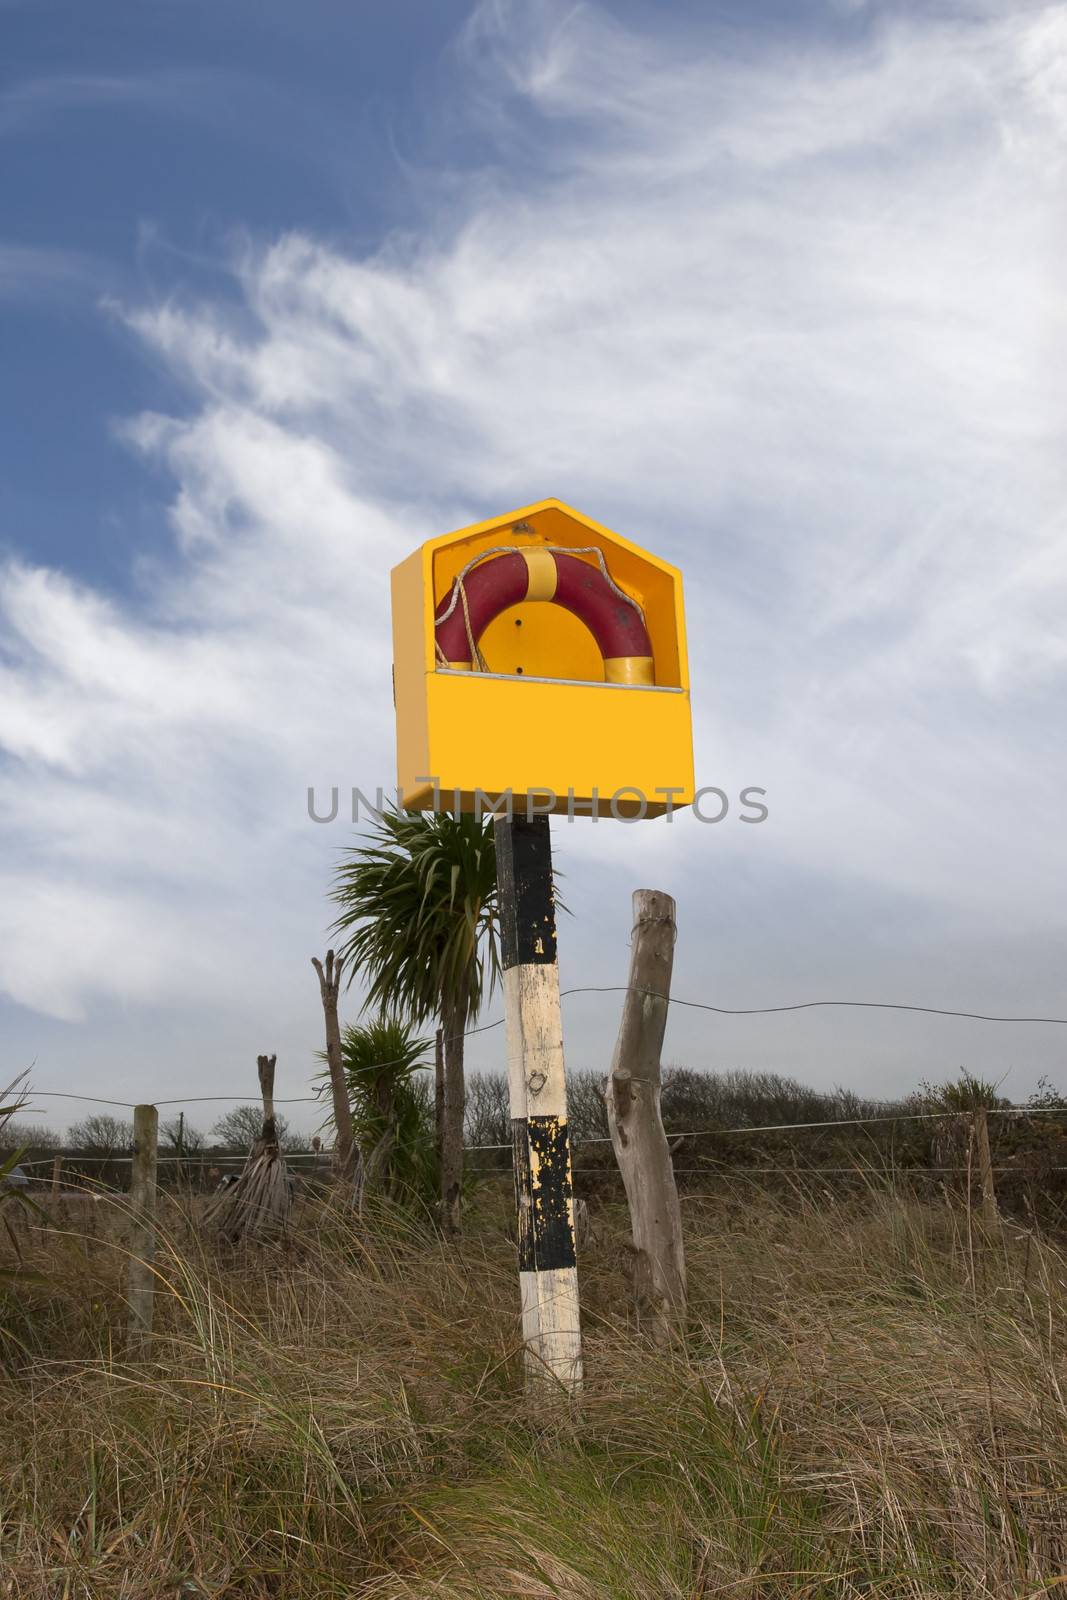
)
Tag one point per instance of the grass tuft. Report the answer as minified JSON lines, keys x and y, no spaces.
{"x":868,"y":1401}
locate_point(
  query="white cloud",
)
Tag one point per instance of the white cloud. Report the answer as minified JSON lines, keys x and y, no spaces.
{"x":792,"y":315}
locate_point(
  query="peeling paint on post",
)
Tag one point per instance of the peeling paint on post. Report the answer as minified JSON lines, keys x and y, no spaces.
{"x":548,"y":1275}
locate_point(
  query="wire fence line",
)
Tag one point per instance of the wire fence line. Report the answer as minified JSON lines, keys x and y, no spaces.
{"x":834,"y":1122}
{"x":215,"y":1159}
{"x":721,"y":1170}
{"x":196,"y":1158}
{"x":805,"y":1005}
{"x":200,"y":1163}
{"x":610,"y":988}
{"x":692,"y":1133}
{"x":186,"y":1100}
{"x":675,"y":1138}
{"x":857,"y":1170}
{"x":710,"y":1168}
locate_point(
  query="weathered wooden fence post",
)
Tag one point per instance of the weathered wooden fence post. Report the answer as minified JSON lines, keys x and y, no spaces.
{"x":57,"y":1176}
{"x":349,"y":1155}
{"x":439,"y":1093}
{"x":548,"y":1272}
{"x":635,"y":1120}
{"x":980,"y":1135}
{"x":142,"y":1244}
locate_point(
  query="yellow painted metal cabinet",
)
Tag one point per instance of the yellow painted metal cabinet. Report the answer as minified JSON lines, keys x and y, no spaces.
{"x":540,"y":652}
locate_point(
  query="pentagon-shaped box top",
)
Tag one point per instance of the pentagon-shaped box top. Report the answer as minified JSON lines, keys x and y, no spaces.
{"x":541,"y":653}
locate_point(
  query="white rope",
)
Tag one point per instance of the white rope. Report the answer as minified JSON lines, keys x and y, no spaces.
{"x":478,"y":661}
{"x":457,"y":581}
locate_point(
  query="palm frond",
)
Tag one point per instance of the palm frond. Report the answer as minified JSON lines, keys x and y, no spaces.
{"x":417,"y":914}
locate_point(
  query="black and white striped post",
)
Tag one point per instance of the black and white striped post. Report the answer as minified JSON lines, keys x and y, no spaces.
{"x":548,"y":1273}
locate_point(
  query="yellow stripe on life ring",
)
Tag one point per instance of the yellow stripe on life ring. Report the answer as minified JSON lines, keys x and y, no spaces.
{"x":542,"y":575}
{"x":629,"y":669}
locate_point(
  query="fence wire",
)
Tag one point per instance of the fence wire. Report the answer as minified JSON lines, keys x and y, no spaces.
{"x":611,"y":988}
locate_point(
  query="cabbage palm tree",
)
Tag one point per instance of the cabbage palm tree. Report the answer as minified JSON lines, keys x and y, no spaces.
{"x":391,"y":1106}
{"x":418,"y":922}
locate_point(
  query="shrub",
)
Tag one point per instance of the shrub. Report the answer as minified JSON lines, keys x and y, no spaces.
{"x":390,"y":1094}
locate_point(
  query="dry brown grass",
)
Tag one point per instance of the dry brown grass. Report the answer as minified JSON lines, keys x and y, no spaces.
{"x":867,"y":1402}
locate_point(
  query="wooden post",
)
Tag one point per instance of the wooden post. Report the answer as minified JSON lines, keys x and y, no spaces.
{"x":980,"y":1135}
{"x":453,"y":1108}
{"x":57,"y":1176}
{"x":265,"y":1066}
{"x":548,"y":1272}
{"x":179,"y":1152}
{"x":349,"y":1156}
{"x":635,"y":1120}
{"x":439,"y":1093}
{"x":141,"y":1278}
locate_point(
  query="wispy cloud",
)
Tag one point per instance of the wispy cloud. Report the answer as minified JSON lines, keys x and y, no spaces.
{"x":792,"y":315}
{"x":27,"y":104}
{"x":31,"y":274}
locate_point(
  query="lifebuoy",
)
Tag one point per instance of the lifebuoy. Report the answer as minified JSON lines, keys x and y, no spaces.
{"x":500,"y":581}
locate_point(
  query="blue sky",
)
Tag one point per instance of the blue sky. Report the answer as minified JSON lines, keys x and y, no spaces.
{"x":774,"y":289}
{"x":135,"y":143}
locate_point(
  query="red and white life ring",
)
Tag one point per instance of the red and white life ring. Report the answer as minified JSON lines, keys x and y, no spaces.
{"x":614,"y":620}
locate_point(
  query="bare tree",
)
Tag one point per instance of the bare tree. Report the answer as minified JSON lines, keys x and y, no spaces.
{"x":488,"y":1113}
{"x":178,"y":1136}
{"x":19,"y":1135}
{"x":100,"y":1135}
{"x":349,"y":1160}
{"x":242,"y":1125}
